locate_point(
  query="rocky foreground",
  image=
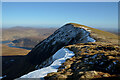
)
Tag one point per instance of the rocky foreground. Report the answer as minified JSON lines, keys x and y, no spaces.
{"x":91,"y":61}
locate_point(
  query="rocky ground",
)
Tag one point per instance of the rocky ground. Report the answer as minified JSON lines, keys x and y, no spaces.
{"x":91,"y":61}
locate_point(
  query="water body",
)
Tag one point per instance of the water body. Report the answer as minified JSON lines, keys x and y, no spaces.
{"x":10,"y":44}
{"x":4,"y":42}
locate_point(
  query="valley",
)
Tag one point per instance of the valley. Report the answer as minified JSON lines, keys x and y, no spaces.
{"x":12,"y":44}
{"x":22,"y":32}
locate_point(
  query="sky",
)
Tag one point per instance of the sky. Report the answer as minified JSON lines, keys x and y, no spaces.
{"x":56,"y":14}
{"x":60,"y":0}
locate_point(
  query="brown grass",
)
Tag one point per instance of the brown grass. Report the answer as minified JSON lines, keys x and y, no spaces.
{"x":99,"y":35}
{"x":22,"y":32}
{"x":8,"y":51}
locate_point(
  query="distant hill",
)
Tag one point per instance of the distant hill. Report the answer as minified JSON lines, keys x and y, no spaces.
{"x":22,"y":32}
{"x":29,"y":42}
{"x":112,"y":30}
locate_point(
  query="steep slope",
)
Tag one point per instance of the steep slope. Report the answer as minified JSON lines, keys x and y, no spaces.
{"x":66,"y":35}
{"x":99,"y":35}
{"x":59,"y":57}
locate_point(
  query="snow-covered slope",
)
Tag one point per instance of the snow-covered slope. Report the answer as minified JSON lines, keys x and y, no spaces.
{"x":60,"y":56}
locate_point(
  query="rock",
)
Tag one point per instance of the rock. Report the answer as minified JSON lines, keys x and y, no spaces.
{"x":67,"y":66}
{"x":105,"y":75}
{"x":111,"y":57}
{"x":63,"y":77}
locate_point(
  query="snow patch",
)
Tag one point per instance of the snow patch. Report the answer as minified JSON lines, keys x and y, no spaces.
{"x":3,"y":77}
{"x":59,"y":54}
{"x":60,"y":57}
{"x":89,"y":39}
{"x":89,"y":30}
{"x":84,"y":28}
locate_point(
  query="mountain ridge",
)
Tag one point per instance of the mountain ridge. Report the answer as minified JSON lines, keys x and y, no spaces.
{"x":100,"y":34}
{"x":61,"y":37}
{"x":66,"y":35}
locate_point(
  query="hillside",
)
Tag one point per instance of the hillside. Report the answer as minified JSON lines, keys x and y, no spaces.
{"x":8,"y":51}
{"x":28,"y":42}
{"x":99,"y":35}
{"x":91,"y":61}
{"x":69,"y":34}
{"x":22,"y":32}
